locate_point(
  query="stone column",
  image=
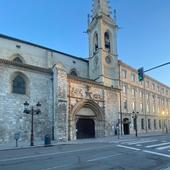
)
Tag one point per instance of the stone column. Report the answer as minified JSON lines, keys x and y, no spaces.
{"x":60,"y":103}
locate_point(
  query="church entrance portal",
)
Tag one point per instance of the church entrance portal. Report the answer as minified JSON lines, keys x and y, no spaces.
{"x":126,"y":126}
{"x":85,"y":128}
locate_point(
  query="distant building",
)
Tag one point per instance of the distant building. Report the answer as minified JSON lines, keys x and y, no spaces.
{"x":79,"y":98}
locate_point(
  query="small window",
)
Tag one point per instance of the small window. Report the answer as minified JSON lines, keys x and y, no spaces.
{"x":133,"y":92}
{"x":17,"y":60}
{"x":125,"y":104}
{"x":160,"y":124}
{"x":162,"y":90}
{"x":107,"y":41}
{"x":124,"y":89}
{"x":73,"y":72}
{"x":142,"y":124}
{"x":19,"y":85}
{"x":133,"y":105}
{"x":147,"y":108}
{"x":155,"y":127}
{"x":124,"y":74}
{"x":147,"y":84}
{"x":147,"y":96}
{"x":153,"y":86}
{"x":149,"y":123}
{"x":95,"y":42}
{"x":141,"y":107}
{"x":166,"y":92}
{"x":133,"y":77}
{"x":153,"y":109}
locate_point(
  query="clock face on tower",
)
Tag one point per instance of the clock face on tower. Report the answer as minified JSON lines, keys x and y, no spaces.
{"x":108,"y":59}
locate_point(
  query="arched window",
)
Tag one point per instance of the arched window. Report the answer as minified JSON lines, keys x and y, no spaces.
{"x":73,"y":72}
{"x":107,"y":41}
{"x":95,"y":42}
{"x":19,"y":85}
{"x":17,"y":60}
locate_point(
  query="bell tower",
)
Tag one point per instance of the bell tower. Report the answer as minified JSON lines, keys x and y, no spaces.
{"x":103,"y":61}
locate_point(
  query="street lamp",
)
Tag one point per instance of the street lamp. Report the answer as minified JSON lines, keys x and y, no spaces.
{"x":164,"y":125}
{"x":135,"y":116}
{"x":163,"y":113}
{"x":32,"y":111}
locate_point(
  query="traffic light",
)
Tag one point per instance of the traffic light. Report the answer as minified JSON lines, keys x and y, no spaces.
{"x":141,"y":74}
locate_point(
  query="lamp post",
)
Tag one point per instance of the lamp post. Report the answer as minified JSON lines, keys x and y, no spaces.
{"x":135,"y":116}
{"x":163,"y":113}
{"x":32,"y":111}
{"x":164,"y":123}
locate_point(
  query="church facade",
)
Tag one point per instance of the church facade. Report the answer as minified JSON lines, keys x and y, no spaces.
{"x":79,"y":98}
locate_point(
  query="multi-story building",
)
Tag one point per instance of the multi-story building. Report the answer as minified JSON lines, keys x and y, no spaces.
{"x":79,"y":98}
{"x":149,"y":99}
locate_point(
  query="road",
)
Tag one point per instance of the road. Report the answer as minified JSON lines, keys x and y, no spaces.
{"x":147,"y":153}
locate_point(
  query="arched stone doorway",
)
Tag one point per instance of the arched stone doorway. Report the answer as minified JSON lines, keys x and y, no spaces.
{"x":86,"y":120}
{"x":126,"y":126}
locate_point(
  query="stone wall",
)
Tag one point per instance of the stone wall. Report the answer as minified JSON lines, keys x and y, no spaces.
{"x":42,"y":57}
{"x":12,"y":118}
{"x":60,"y":103}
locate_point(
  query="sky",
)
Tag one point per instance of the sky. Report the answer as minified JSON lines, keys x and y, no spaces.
{"x":143,"y":37}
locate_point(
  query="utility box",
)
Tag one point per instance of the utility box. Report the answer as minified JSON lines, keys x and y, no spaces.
{"x":47,"y":140}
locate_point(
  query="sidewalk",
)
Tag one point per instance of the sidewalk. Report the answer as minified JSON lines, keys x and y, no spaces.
{"x":24,"y":144}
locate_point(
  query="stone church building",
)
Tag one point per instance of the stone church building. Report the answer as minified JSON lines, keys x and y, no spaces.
{"x":79,"y":98}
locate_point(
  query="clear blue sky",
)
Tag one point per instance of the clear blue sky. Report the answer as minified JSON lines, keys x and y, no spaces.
{"x":143,"y":40}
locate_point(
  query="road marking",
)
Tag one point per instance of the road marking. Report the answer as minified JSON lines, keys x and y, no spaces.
{"x":160,"y":144}
{"x":122,"y":140}
{"x":56,"y":167}
{"x":139,"y":145}
{"x":156,"y":153}
{"x":163,"y":147}
{"x":50,"y":154}
{"x":103,"y":157}
{"x":90,"y":160}
{"x":139,"y":142}
{"x":122,"y":146}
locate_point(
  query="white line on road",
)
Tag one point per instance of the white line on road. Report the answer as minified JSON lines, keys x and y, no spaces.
{"x":103,"y":157}
{"x":160,"y":144}
{"x":156,"y":153}
{"x":139,"y":145}
{"x":163,"y":147}
{"x":123,"y":140}
{"x":49,"y":154}
{"x":90,"y":160}
{"x":57,"y":167}
{"x":122,"y":146}
{"x":139,"y":142}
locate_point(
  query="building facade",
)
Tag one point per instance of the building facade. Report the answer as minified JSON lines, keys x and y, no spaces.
{"x":79,"y":98}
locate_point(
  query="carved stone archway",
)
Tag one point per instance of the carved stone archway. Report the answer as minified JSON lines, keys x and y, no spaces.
{"x":96,"y":114}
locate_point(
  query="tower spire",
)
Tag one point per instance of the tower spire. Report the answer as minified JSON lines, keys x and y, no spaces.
{"x":101,"y":7}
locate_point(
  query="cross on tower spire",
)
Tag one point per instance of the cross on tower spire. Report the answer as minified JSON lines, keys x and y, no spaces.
{"x":101,"y":7}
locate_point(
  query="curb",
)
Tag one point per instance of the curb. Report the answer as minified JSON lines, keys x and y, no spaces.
{"x":80,"y":142}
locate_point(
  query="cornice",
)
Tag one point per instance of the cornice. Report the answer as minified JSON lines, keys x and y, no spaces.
{"x":88,"y":81}
{"x":25,"y":66}
{"x":146,"y":76}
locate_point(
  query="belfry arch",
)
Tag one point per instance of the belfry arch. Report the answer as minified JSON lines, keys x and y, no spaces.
{"x":86,"y":113}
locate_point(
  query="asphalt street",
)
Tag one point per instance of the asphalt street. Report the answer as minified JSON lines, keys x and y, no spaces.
{"x":147,"y":153}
